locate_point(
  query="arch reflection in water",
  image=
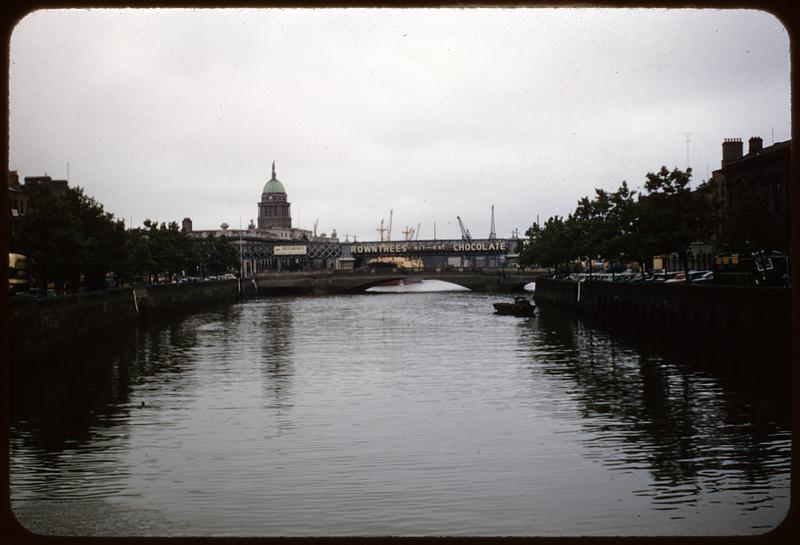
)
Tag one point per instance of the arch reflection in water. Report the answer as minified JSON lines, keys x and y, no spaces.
{"x":418,"y":286}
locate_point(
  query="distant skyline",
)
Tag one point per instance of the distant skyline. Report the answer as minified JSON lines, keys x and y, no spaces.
{"x":434,"y":113}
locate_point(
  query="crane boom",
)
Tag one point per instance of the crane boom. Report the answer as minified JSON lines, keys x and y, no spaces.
{"x":381,"y":230}
{"x":389,"y":230}
{"x":464,"y":231}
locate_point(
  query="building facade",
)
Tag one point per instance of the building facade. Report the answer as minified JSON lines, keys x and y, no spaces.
{"x":274,"y":210}
{"x":752,"y":192}
{"x":273,"y":243}
{"x":19,"y":197}
{"x":17,"y":205}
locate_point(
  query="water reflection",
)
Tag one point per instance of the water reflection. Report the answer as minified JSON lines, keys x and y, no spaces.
{"x":417,"y":286}
{"x":692,"y":429}
{"x":402,"y":414}
{"x":58,"y":412}
{"x":276,"y":334}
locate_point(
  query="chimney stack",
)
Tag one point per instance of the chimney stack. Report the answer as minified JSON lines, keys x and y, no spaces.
{"x":756,"y":144}
{"x":731,"y":150}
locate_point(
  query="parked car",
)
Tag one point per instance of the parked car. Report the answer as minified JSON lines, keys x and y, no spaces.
{"x":700,"y":277}
{"x":675,"y":277}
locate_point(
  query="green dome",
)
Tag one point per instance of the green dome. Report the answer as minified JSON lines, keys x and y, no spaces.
{"x":274,"y":185}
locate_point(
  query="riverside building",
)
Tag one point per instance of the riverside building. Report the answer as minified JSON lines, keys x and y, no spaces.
{"x":758,"y":184}
{"x":272,"y":243}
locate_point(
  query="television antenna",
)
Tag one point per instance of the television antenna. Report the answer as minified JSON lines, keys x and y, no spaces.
{"x":688,"y":135}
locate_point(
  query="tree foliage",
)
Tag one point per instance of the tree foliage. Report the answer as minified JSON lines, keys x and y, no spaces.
{"x":625,"y":225}
{"x":70,"y":239}
{"x":71,"y":242}
{"x":214,"y":255}
{"x":551,"y":244}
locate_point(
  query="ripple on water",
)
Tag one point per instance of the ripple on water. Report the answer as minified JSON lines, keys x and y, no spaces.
{"x":409,"y":414}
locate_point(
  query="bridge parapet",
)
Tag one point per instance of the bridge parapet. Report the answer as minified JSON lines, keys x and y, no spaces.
{"x":353,"y":282}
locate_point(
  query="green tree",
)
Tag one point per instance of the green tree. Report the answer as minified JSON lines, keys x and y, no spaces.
{"x":50,"y":237}
{"x":69,"y":238}
{"x":672,"y":215}
{"x":102,"y":241}
{"x":222,"y":256}
{"x":213,"y":255}
{"x":139,"y":259}
{"x":552,"y":244}
{"x":625,"y":225}
{"x":595,"y":225}
{"x":169,"y":247}
{"x":627,"y":241}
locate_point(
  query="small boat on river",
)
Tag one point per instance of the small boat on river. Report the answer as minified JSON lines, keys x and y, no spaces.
{"x":520,"y":307}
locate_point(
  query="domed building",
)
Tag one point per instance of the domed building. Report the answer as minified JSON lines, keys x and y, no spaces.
{"x":274,"y":211}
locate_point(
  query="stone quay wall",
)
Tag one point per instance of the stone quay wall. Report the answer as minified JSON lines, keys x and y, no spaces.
{"x":39,"y":325}
{"x":680,"y":307}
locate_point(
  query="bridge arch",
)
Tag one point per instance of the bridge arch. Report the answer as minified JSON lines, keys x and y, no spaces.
{"x":356,"y":282}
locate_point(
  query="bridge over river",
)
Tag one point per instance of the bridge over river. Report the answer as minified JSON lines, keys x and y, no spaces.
{"x":321,"y":282}
{"x":259,"y":254}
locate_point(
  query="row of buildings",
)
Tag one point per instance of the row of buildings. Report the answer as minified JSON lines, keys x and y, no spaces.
{"x":753,"y":187}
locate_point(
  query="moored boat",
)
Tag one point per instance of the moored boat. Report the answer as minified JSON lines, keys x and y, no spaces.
{"x":520,"y":307}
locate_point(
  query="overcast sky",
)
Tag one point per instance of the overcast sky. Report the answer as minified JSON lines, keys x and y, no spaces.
{"x":166,"y":114}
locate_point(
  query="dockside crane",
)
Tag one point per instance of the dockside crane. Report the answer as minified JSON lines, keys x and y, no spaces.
{"x":464,"y":231}
{"x":381,"y":230}
{"x":387,"y":230}
{"x":411,"y":233}
{"x":492,"y":234}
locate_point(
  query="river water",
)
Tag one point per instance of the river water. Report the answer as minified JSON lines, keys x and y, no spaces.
{"x":399,"y":414}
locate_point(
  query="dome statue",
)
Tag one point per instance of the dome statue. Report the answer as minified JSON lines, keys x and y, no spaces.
{"x":273,"y":185}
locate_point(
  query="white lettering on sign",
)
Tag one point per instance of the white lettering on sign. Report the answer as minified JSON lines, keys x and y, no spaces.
{"x":405,"y":247}
{"x":289,"y":250}
{"x":479,"y":247}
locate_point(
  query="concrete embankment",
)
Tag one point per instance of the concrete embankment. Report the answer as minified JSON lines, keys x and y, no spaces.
{"x":678,"y":307}
{"x":40,"y":325}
